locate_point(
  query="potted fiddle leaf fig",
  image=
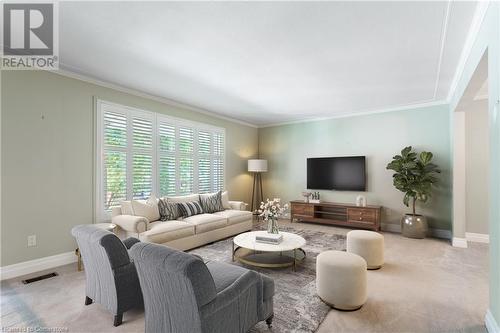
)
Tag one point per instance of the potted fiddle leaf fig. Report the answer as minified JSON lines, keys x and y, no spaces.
{"x":414,"y":175}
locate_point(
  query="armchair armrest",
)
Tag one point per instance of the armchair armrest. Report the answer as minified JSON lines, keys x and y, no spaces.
{"x":238,"y":205}
{"x":129,"y":242}
{"x":131,"y":223}
{"x":230,"y":295}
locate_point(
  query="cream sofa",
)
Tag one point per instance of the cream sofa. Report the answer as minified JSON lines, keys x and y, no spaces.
{"x":190,"y":232}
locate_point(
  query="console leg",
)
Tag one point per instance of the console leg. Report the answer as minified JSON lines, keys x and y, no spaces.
{"x":88,"y":300}
{"x":118,"y":319}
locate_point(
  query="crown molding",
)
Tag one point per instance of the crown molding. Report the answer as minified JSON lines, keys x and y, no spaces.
{"x":477,"y":20}
{"x":444,"y":31}
{"x":138,"y":93}
{"x":92,"y":80}
{"x":361,"y":113}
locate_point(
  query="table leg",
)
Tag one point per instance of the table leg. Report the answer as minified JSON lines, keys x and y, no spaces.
{"x":232,"y":252}
{"x":294,"y":260}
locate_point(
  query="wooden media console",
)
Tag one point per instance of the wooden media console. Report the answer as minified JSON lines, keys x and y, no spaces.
{"x":333,"y":213}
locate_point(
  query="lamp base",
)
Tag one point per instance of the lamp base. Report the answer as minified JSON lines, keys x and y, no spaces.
{"x":257,"y":182}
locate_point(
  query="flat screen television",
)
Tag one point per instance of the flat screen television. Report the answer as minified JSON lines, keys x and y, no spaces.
{"x":336,"y":173}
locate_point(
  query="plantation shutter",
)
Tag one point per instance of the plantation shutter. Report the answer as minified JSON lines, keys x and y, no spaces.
{"x":142,"y":157}
{"x":186,"y":163}
{"x":114,"y":158}
{"x":167,"y":159}
{"x":142,"y":153}
{"x":218,"y":162}
{"x":204,"y":158}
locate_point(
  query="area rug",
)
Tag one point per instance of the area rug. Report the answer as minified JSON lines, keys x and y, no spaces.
{"x":296,"y":306}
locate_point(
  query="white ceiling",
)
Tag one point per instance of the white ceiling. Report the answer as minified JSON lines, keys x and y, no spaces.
{"x":270,"y":62}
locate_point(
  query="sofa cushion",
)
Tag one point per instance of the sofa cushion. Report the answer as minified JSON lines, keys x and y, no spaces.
{"x":211,"y":202}
{"x":235,"y":216}
{"x":147,"y":209}
{"x":184,"y":198}
{"x":187,"y":209}
{"x":206,"y":222}
{"x":161,"y":232}
{"x":168,"y":210}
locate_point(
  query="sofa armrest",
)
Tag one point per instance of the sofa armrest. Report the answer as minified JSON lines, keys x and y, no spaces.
{"x":238,"y":205}
{"x":115,"y":211}
{"x":131,"y":223}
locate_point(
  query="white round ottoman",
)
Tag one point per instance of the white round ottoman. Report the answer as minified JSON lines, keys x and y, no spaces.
{"x":367,"y":244}
{"x":341,"y":279}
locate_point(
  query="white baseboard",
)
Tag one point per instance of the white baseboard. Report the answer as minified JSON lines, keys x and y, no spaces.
{"x":32,"y":266}
{"x":437,"y":233}
{"x":459,"y":242}
{"x":491,"y":323}
{"x":478,"y":238}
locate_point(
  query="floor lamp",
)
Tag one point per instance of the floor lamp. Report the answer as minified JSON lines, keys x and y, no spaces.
{"x":257,"y":167}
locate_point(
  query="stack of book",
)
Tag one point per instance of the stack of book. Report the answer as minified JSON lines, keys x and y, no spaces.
{"x":269,"y":238}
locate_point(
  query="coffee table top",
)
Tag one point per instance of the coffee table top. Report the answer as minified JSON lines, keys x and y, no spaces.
{"x":290,"y":242}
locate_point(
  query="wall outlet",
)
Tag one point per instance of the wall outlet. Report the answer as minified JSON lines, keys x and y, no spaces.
{"x":31,"y":240}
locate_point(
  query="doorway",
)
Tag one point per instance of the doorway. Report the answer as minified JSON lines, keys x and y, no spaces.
{"x":471,"y":141}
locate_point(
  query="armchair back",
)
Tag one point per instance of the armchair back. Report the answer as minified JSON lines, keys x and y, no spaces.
{"x":111,"y":277}
{"x":175,"y":286}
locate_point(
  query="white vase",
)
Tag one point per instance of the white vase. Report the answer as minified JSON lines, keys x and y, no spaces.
{"x":361,"y":201}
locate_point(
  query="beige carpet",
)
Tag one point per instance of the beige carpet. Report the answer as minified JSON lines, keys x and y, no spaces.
{"x":425,"y":286}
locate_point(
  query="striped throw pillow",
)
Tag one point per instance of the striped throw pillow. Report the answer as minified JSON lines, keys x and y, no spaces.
{"x":211,"y":203}
{"x":168,"y":210}
{"x":190,"y":208}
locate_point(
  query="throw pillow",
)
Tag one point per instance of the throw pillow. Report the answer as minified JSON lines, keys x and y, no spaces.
{"x":225,"y":200}
{"x":211,"y":203}
{"x":190,"y":208}
{"x":127,"y":208}
{"x":168,"y":210}
{"x":147,"y":209}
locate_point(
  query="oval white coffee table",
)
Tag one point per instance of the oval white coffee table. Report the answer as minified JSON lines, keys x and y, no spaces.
{"x":285,"y":254}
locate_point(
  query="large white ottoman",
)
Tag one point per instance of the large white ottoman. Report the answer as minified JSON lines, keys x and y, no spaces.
{"x":341,"y":279}
{"x":367,"y":244}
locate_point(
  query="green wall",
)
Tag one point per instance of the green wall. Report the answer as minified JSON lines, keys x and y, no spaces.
{"x":378,"y":137}
{"x":47,"y":158}
{"x":488,"y":41}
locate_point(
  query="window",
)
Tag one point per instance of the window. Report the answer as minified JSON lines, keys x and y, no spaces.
{"x":143,"y":153}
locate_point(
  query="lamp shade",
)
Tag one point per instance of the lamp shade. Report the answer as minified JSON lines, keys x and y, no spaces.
{"x":257,"y":165}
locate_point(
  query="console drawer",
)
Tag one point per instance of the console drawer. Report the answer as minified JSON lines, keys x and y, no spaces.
{"x":302,"y":209}
{"x":362,"y":214}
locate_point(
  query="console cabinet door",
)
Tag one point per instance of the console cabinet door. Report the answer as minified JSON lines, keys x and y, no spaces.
{"x":303,"y":209}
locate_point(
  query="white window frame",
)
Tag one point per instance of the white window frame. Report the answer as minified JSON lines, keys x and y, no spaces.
{"x":101,"y":213}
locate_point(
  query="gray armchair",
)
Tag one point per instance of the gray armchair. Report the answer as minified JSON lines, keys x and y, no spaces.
{"x":183,"y":294}
{"x":111,"y":278}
